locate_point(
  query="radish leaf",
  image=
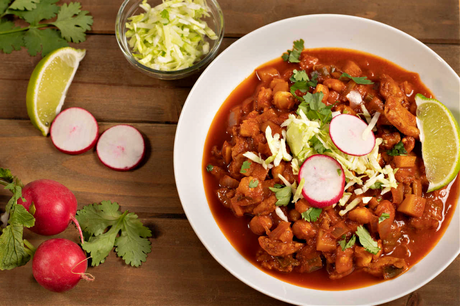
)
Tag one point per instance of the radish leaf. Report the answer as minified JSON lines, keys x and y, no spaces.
{"x":12,"y":250}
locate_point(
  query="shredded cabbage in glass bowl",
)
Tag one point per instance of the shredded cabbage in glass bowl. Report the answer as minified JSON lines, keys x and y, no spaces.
{"x":169,"y":39}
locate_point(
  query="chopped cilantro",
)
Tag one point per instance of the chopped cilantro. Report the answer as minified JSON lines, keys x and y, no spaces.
{"x":253,"y":183}
{"x":245,"y":166}
{"x":339,"y":172}
{"x":357,"y":80}
{"x":209,"y":168}
{"x":345,"y":245}
{"x":292,"y":56}
{"x":383,"y":217}
{"x":366,"y":240}
{"x":299,"y":76}
{"x":316,"y":144}
{"x":283,"y":194}
{"x":398,"y":149}
{"x":312,"y":214}
{"x":315,"y":109}
{"x":376,"y":185}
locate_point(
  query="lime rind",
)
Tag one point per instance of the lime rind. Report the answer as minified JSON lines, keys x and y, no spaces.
{"x":433,"y":163}
{"x":35,"y":81}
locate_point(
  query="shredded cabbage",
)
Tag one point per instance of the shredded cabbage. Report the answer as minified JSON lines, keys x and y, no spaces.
{"x":170,"y":36}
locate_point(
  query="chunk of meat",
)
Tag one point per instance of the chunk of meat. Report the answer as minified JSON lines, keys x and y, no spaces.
{"x":264,"y":98}
{"x":266,"y":74}
{"x":352,"y":69}
{"x":344,"y":260}
{"x":307,"y":61}
{"x":255,"y":170}
{"x":227,"y":181}
{"x":405,"y":175}
{"x":361,"y":215}
{"x":334,"y":84}
{"x":390,"y":139}
{"x":282,"y":232}
{"x":389,"y":88}
{"x":277,"y":247}
{"x":325,"y":242}
{"x":279,"y":84}
{"x":362,"y":257}
{"x":283,"y":264}
{"x":387,"y":267}
{"x":283,"y":100}
{"x":241,"y":146}
{"x":251,"y":188}
{"x":400,"y":117}
{"x":409,"y":143}
{"x":384,"y":227}
{"x":249,"y":128}
{"x":266,"y":207}
{"x":431,"y":216}
{"x":224,"y":195}
{"x":309,"y":259}
{"x":304,"y":230}
{"x":260,"y":225}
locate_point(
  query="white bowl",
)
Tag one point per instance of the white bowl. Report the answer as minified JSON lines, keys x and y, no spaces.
{"x":238,"y":62}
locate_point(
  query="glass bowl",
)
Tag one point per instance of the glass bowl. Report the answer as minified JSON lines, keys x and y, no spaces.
{"x":131,"y":7}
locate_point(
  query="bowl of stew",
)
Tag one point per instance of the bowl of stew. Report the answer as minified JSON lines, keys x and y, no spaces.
{"x":273,"y":248}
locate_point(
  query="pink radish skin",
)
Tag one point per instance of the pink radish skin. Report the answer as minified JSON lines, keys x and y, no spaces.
{"x":121,"y":148}
{"x":74,"y":131}
{"x":55,"y":206}
{"x":59,"y":264}
{"x":346,"y":133}
{"x":324,"y":185}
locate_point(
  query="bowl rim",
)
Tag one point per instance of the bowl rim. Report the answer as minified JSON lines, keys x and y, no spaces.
{"x":194,"y":223}
{"x":121,"y":40}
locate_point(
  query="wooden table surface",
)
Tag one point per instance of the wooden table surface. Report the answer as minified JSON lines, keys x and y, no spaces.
{"x":179,"y":271}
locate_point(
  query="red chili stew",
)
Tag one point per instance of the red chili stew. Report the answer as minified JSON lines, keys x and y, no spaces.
{"x":306,"y":253}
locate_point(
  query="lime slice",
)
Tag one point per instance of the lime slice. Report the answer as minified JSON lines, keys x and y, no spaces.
{"x":48,"y":86}
{"x":439,"y":134}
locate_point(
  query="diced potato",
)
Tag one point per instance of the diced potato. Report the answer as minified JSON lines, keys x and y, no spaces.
{"x":412,"y":205}
{"x":352,"y":69}
{"x":344,"y":260}
{"x":325,"y":242}
{"x":398,"y":194}
{"x":404,"y":161}
{"x":417,"y":187}
{"x":267,"y":74}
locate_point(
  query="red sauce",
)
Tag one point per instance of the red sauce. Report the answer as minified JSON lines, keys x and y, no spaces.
{"x":236,"y":229}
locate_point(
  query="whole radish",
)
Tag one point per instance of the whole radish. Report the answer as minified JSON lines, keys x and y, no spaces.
{"x":54,"y":206}
{"x":59,"y":264}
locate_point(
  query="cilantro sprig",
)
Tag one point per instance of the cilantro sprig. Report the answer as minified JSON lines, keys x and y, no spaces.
{"x":345,"y":245}
{"x":311,"y":214}
{"x":283,"y":194}
{"x":70,"y":25}
{"x":105,"y":227}
{"x":358,"y":80}
{"x":293,"y":56}
{"x":383,"y":217}
{"x":366,"y":240}
{"x":397,"y":150}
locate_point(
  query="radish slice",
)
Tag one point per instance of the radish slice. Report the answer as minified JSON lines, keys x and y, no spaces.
{"x":346,"y":132}
{"x":324,"y":180}
{"x":74,"y":131}
{"x":121,"y":147}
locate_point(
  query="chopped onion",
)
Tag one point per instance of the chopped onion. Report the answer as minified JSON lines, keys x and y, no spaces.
{"x":371,"y":125}
{"x":280,"y":214}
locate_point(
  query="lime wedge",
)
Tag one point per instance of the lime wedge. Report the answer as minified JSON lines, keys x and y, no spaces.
{"x":439,"y":134}
{"x":48,"y":86}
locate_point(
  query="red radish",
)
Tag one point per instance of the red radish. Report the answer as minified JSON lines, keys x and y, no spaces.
{"x":346,"y":132}
{"x":54,"y":206}
{"x":59,"y":264}
{"x":324,"y":180}
{"x":74,"y":131}
{"x":121,"y":147}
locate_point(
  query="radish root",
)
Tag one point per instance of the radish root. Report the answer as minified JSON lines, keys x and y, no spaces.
{"x":86,"y":276}
{"x":78,"y":228}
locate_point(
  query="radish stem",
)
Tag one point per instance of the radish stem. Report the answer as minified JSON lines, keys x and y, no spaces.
{"x":78,"y":228}
{"x":30,"y":249}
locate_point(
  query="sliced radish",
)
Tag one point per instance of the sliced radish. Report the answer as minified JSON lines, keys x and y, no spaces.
{"x":346,"y":132}
{"x":74,"y":131}
{"x":324,"y":180}
{"x":121,"y":147}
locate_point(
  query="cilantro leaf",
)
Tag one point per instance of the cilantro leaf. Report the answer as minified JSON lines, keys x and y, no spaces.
{"x":73,"y":22}
{"x":357,"y":80}
{"x":311,"y":214}
{"x":292,"y":56}
{"x":339,"y":172}
{"x":4,"y":5}
{"x":245,"y":166}
{"x":316,"y":144}
{"x":50,"y":39}
{"x":345,"y":245}
{"x":11,"y":40}
{"x":24,"y":5}
{"x":132,"y":244}
{"x":12,"y":251}
{"x":366,"y":240}
{"x":46,"y":9}
{"x":209,"y":168}
{"x":299,"y":76}
{"x":383,"y":217}
{"x":398,"y":149}
{"x":376,"y":185}
{"x":283,"y":194}
{"x":253,"y":183}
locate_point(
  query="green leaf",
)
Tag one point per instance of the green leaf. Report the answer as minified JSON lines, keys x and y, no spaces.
{"x":253,"y":183}
{"x":339,"y":172}
{"x":283,"y":194}
{"x":5,"y":174}
{"x":100,"y":246}
{"x":10,"y":41}
{"x":209,"y":168}
{"x":299,"y":76}
{"x":357,"y":80}
{"x":46,"y":9}
{"x":96,"y":218}
{"x":49,"y":39}
{"x":318,"y":146}
{"x":21,"y":216}
{"x":133,"y":245}
{"x":315,"y":100}
{"x":383,"y":217}
{"x":366,"y":240}
{"x":345,"y":245}
{"x":293,"y":55}
{"x":397,"y":150}
{"x":245,"y":166}
{"x":311,"y":214}
{"x":73,"y":22}
{"x":12,"y":250}
{"x":4,"y":5}
{"x":24,"y":5}
{"x":376,"y":185}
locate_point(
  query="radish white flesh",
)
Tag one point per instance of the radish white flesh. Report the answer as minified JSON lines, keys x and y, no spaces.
{"x":121,"y":147}
{"x":346,"y":132}
{"x":74,"y":131}
{"x":324,"y":180}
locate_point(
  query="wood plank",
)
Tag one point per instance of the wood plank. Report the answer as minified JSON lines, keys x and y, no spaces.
{"x":105,"y":79}
{"x":427,"y":20}
{"x":179,"y":271}
{"x":150,"y":189}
